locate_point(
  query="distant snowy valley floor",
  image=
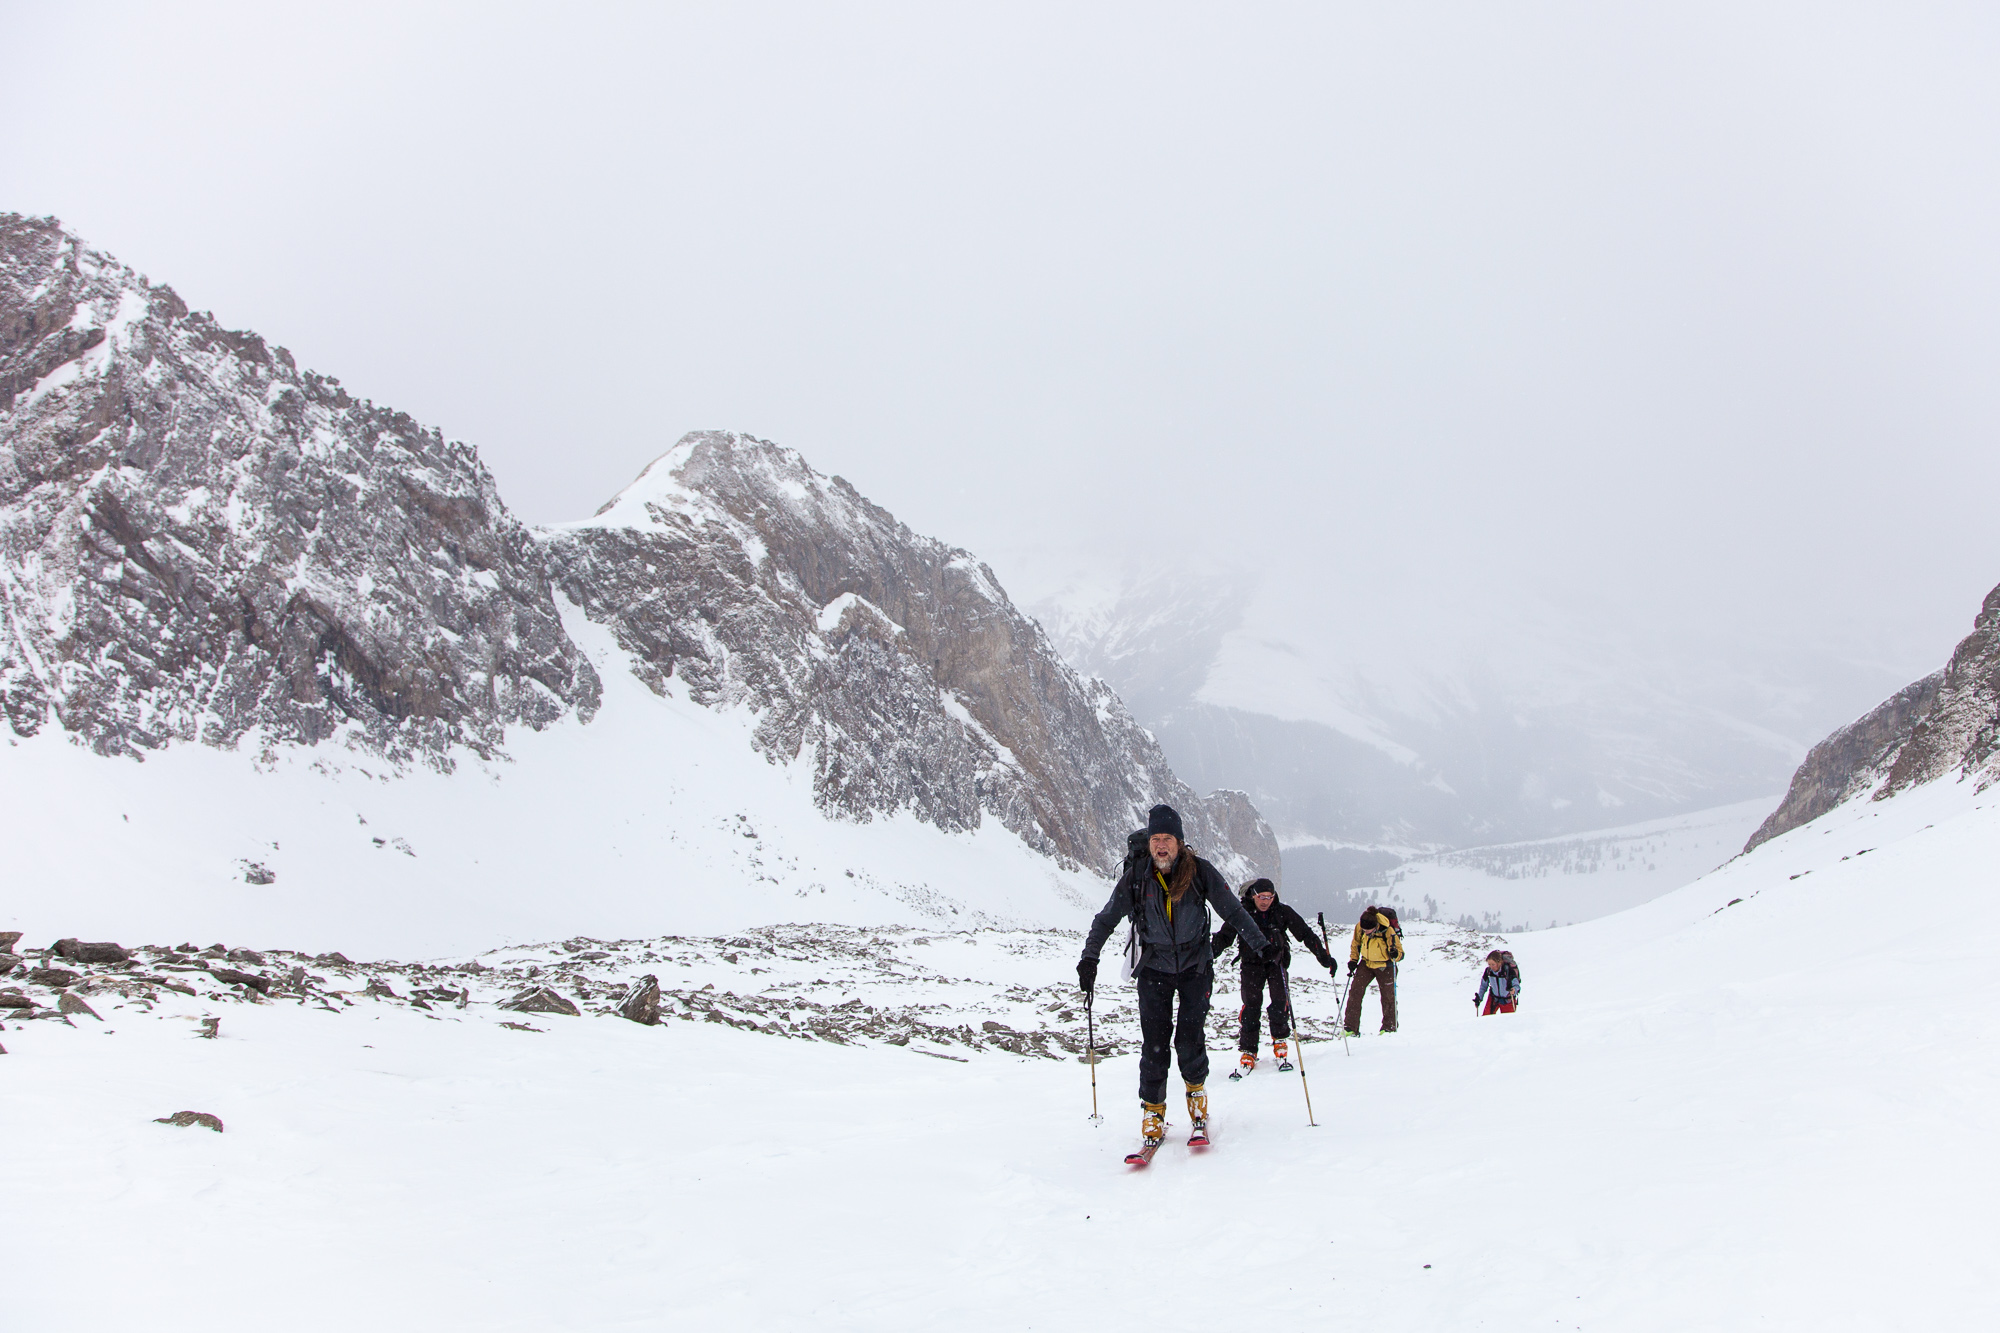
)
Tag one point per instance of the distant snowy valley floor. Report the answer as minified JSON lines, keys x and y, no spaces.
{"x":1766,"y":1100}
{"x":1522,"y":886}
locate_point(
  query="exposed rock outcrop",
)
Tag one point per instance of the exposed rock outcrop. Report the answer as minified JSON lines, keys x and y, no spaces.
{"x":74,"y":1005}
{"x":541,"y":1000}
{"x":1947,"y":722}
{"x":892,"y":663}
{"x":77,"y":952}
{"x":190,"y":1120}
{"x":201,"y":542}
{"x":642,"y":1003}
{"x":1850,"y":761}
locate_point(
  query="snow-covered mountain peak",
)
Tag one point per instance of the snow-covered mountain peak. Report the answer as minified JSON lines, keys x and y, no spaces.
{"x":200,"y":542}
{"x":893,"y":663}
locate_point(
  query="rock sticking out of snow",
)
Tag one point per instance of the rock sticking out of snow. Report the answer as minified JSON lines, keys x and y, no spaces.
{"x":75,"y":951}
{"x":541,"y":1000}
{"x":188,"y":1119}
{"x":70,"y":1005}
{"x":642,"y":1003}
{"x":262,"y":985}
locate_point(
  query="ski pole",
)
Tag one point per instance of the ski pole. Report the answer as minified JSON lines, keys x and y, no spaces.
{"x":1090,"y":1048}
{"x":1349,"y":1050}
{"x":1292,"y":1021}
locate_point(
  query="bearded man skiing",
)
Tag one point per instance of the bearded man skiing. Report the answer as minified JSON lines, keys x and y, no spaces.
{"x":1167,"y":895}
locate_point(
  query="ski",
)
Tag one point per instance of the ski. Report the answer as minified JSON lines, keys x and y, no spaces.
{"x":1143,"y":1157}
{"x":1199,"y":1138}
{"x":1285,"y":1066}
{"x":1236,"y":1074}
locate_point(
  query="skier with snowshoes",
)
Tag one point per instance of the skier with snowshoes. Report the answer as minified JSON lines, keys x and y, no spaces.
{"x":1373,"y":955}
{"x":1499,"y":984}
{"x":1275,"y":920}
{"x":1165,"y":891}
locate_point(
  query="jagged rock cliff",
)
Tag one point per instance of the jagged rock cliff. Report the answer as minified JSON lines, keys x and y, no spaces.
{"x":201,"y":542}
{"x":1949,"y":720}
{"x":890,"y":662}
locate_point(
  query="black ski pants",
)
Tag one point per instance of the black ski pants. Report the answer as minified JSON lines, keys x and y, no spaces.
{"x":1257,"y":978}
{"x":1161,"y":1034}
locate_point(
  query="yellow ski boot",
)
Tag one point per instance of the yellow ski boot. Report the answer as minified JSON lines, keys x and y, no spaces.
{"x":1152,"y":1132}
{"x":1197,"y":1099}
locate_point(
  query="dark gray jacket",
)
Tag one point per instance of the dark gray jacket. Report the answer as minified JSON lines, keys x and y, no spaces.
{"x":1183,"y":945}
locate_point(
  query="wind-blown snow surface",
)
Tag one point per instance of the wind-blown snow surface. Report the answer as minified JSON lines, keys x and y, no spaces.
{"x":1764,"y":1101}
{"x":658,"y":816}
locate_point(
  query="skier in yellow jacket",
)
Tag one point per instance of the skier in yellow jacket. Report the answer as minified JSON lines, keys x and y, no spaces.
{"x":1373,"y":955}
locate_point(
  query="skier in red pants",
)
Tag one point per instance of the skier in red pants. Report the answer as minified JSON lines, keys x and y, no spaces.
{"x":1499,"y":985}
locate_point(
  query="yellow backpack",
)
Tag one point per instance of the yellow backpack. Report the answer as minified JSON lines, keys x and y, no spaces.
{"x":1381,"y":946}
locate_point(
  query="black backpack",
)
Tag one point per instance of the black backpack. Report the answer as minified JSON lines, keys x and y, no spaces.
{"x":1508,"y":969}
{"x":1137,"y":852}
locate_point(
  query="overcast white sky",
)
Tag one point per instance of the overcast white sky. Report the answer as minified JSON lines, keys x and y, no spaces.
{"x":1687,"y":311}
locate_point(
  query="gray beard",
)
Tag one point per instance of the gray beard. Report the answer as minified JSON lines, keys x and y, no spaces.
{"x":1164,"y":866}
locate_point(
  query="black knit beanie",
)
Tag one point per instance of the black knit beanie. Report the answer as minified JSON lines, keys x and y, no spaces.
{"x":1164,"y":819}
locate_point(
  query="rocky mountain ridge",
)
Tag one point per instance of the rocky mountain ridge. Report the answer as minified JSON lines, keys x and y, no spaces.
{"x":201,"y":542}
{"x":1947,"y":722}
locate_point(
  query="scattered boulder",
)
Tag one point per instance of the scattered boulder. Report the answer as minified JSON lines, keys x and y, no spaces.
{"x":256,"y":872}
{"x":262,"y":985}
{"x":333,"y":960}
{"x":380,"y":989}
{"x":642,"y":1002}
{"x":250,"y":956}
{"x":8,"y":962}
{"x":540,"y":1000}
{"x":13,"y":999}
{"x":76,"y":951}
{"x":74,"y":1004}
{"x":210,"y":1028}
{"x":187,"y":1119}
{"x":54,"y":977}
{"x":520,"y":1027}
{"x":8,"y":939}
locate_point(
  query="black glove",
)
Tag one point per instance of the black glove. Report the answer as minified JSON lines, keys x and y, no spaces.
{"x":1271,"y":951}
{"x":1333,"y":968}
{"x":1086,"y":975}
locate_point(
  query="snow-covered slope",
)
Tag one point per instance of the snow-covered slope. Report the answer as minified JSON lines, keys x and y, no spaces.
{"x":1708,"y":1114}
{"x":657,"y":816}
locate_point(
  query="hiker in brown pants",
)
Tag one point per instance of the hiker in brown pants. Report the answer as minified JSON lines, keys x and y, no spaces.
{"x":1377,"y":948}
